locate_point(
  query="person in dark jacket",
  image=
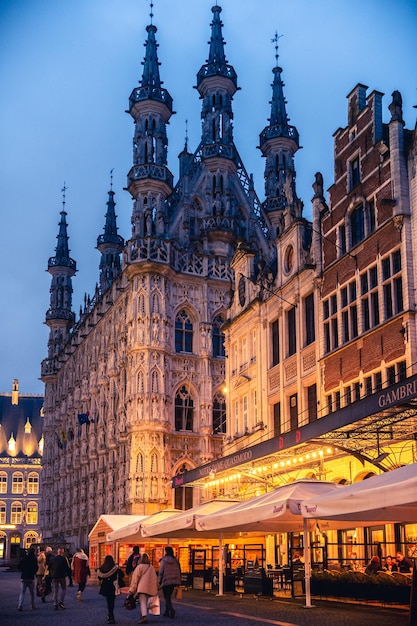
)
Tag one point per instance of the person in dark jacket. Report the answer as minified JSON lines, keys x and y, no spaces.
{"x":169,"y":578}
{"x":374,"y":566}
{"x":59,"y":569}
{"x":108,"y":573}
{"x":28,"y":565}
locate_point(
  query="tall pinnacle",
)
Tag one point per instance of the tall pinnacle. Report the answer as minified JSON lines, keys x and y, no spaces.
{"x":216,"y":64}
{"x":150,"y":76}
{"x":62,"y":257}
{"x":110,"y":244}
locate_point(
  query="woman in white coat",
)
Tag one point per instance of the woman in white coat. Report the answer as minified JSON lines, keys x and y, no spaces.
{"x":144,"y":583}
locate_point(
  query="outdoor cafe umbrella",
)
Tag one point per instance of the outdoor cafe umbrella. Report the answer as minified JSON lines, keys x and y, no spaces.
{"x":132,"y":532}
{"x":183,"y":525}
{"x":275,"y":511}
{"x":388,"y":497}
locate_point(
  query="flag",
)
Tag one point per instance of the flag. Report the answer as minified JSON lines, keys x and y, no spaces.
{"x":83,"y":418}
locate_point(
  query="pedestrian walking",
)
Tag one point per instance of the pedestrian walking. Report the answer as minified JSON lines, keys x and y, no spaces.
{"x":108,"y":574}
{"x":60,"y":569}
{"x":28,"y":566}
{"x":80,"y":571}
{"x":144,"y":583}
{"x":169,"y":578}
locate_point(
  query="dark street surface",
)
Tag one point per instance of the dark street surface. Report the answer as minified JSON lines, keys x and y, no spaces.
{"x":194,"y":609}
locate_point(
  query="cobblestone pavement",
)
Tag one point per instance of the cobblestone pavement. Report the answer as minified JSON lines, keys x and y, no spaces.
{"x":195,"y":608}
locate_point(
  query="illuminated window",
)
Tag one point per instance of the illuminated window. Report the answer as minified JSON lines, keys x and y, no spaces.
{"x":32,"y":513}
{"x":3,"y":482}
{"x":33,"y":483}
{"x":30,"y":538}
{"x":2,"y":512}
{"x":16,"y":513}
{"x":17,"y":482}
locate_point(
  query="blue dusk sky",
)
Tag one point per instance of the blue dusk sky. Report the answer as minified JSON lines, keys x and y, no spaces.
{"x":66,"y":72}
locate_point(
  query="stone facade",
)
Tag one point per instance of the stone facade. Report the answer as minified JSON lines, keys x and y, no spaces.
{"x":220,"y":305}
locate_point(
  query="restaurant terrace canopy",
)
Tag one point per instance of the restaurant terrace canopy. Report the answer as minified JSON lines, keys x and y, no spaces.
{"x":132,"y":532}
{"x":275,"y":511}
{"x":183,"y":524}
{"x":388,"y":497}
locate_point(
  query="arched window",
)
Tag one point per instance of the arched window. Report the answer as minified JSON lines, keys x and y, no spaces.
{"x":33,"y":483}
{"x":141,"y":305}
{"x":218,"y":337}
{"x":17,"y":482}
{"x":219,"y":414}
{"x":156,"y":303}
{"x":140,"y":387}
{"x":155,"y":381}
{"x":183,"y":495}
{"x":16,"y":513}
{"x":154,"y":463}
{"x":2,"y":512}
{"x":32,"y":513}
{"x":3,"y":482}
{"x":184,"y":407}
{"x":139,"y":463}
{"x":30,"y":538}
{"x":183,"y":333}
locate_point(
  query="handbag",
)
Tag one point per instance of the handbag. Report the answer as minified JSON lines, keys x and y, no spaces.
{"x":116,"y":587}
{"x":130,"y":602}
{"x":154,"y":606}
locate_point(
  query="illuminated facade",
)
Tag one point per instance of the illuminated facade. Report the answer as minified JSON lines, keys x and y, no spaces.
{"x":220,"y":301}
{"x":21,"y":448}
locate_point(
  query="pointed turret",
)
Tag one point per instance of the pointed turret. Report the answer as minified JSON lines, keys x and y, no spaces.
{"x":150,"y":105}
{"x":217,"y":84}
{"x":279,"y":141}
{"x":62,"y":268}
{"x":110,"y":244}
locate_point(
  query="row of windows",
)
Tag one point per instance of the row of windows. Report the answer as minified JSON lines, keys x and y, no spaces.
{"x":18,"y":483}
{"x":371,"y":384}
{"x":16,"y":513}
{"x":291,"y":341}
{"x":348,"y":316}
{"x":245,"y":413}
{"x":184,"y":335}
{"x":290,"y":417}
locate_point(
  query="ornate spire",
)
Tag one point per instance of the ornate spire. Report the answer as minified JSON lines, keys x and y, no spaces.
{"x":110,"y":244}
{"x":216,"y":64}
{"x":217,"y":84}
{"x":279,"y":141}
{"x":62,"y":268}
{"x":150,"y":105}
{"x":62,"y":257}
